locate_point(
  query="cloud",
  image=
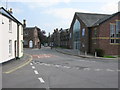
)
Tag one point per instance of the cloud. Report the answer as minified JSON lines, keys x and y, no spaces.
{"x":109,"y":8}
{"x":40,"y":3}
{"x":63,"y":13}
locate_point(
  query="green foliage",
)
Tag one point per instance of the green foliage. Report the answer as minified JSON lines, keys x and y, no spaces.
{"x":110,"y":57}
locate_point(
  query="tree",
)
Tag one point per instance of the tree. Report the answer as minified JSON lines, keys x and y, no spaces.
{"x":43,"y":37}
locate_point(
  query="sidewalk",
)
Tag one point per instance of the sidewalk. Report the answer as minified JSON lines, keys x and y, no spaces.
{"x":12,"y":64}
{"x":80,"y":54}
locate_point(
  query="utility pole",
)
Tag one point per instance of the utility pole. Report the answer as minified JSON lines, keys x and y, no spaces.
{"x":6,"y":4}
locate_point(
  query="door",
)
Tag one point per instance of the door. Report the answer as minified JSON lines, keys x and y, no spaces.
{"x":15,"y":48}
{"x":30,"y":44}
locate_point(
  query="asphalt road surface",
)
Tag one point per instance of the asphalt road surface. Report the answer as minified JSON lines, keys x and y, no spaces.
{"x":50,"y":69}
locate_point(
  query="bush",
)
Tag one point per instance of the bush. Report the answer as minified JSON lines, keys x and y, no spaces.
{"x":100,"y":52}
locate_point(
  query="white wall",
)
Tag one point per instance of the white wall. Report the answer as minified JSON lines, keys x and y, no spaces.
{"x":20,"y":41}
{"x":0,"y":38}
{"x":5,"y":37}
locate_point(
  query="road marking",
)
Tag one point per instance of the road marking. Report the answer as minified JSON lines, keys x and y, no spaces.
{"x":110,"y":70}
{"x":118,"y":70}
{"x":31,"y":64}
{"x":66,"y":67}
{"x":97,"y":69}
{"x":33,"y":67}
{"x":41,"y":80}
{"x":87,"y":69}
{"x":36,"y":72}
{"x":20,"y":66}
{"x":57,"y":65}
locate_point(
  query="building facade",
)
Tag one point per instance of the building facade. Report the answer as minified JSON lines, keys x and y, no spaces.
{"x":105,"y":35}
{"x":31,"y":37}
{"x":89,"y":31}
{"x":11,"y":36}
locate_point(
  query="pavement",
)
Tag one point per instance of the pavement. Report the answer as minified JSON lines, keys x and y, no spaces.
{"x":80,"y":54}
{"x":13,"y":65}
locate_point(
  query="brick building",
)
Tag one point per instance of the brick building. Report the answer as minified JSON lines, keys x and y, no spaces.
{"x":31,"y":37}
{"x":89,"y":31}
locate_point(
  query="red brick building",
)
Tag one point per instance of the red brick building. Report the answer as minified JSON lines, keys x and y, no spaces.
{"x":31,"y":37}
{"x":89,"y":31}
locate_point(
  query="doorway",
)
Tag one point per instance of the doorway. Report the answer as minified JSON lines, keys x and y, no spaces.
{"x":30,"y":44}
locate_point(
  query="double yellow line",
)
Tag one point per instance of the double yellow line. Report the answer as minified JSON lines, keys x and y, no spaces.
{"x":19,"y":66}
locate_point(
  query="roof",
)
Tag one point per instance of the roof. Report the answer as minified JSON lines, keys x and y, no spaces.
{"x":105,"y":18}
{"x":8,"y":15}
{"x":91,"y":18}
{"x":31,"y":28}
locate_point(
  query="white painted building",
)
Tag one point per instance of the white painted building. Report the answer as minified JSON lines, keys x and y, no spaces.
{"x":11,"y":37}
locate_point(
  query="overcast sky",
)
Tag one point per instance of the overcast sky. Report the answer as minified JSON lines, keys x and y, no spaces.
{"x":51,"y":14}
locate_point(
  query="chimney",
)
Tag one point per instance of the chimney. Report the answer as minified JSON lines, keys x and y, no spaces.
{"x":119,"y":6}
{"x":10,"y":11}
{"x":24,"y":23}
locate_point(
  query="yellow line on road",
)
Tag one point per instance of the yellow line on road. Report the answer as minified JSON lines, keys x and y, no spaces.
{"x":20,"y":66}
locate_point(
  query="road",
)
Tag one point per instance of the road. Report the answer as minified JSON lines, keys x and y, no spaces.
{"x":50,"y":69}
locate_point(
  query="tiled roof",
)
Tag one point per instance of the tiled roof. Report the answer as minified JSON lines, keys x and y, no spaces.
{"x":90,"y":18}
{"x":104,"y":19}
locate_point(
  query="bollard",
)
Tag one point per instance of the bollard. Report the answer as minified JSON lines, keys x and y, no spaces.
{"x":95,"y":54}
{"x":85,"y":53}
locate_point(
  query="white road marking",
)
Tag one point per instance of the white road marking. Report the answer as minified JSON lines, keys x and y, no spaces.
{"x":87,"y":69}
{"x":48,"y":65}
{"x":39,"y":57}
{"x":33,"y":67}
{"x":41,"y":80}
{"x":97,"y":69}
{"x":36,"y":72}
{"x":110,"y":70}
{"x":66,"y":67}
{"x":57,"y":65}
{"x":81,"y":60}
{"x":31,"y":64}
{"x":118,"y":70}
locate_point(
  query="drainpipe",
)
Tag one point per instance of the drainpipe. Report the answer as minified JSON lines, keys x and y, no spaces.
{"x":17,"y":40}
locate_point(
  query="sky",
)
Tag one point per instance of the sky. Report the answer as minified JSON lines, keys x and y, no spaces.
{"x":51,"y":14}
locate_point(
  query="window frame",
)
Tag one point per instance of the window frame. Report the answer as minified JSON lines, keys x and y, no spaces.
{"x":10,"y":26}
{"x":10,"y":47}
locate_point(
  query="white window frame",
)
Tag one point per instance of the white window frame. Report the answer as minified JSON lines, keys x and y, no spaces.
{"x":83,"y":32}
{"x":10,"y":47}
{"x":10,"y":25}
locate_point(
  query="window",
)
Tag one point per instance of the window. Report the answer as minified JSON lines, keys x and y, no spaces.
{"x":25,"y":42}
{"x":76,"y":34}
{"x":95,"y":32}
{"x":112,"y":30}
{"x":21,"y":30}
{"x":10,"y":25}
{"x":10,"y":47}
{"x":115,"y":32}
{"x":83,"y":32}
{"x":70,"y":35}
{"x":117,"y":40}
{"x":117,"y":28}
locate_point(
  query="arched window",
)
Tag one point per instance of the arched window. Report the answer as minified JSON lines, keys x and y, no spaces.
{"x":76,"y":34}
